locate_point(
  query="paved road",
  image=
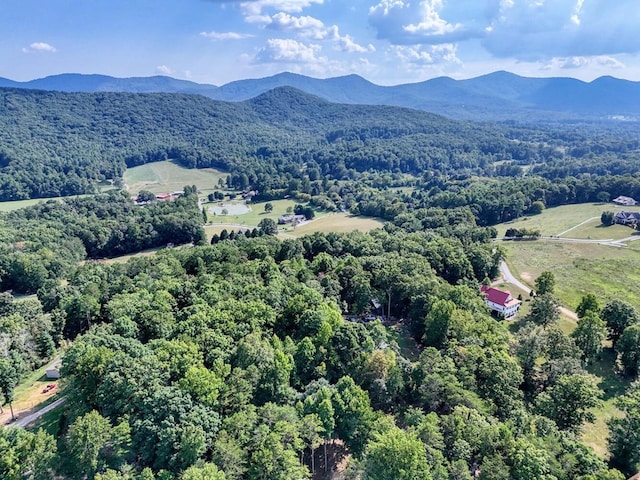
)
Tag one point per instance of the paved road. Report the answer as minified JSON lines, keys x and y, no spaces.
{"x":508,"y":277}
{"x":29,"y":419}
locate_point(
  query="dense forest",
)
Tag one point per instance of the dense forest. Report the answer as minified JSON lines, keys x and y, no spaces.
{"x":47,"y":240}
{"x":260,"y":358}
{"x":58,"y":144}
{"x":249,"y":359}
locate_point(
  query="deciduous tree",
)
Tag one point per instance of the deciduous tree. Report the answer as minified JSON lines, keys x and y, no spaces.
{"x":569,"y":401}
{"x":545,"y":283}
{"x":618,"y":315}
{"x":589,"y":335}
{"x":395,"y":454}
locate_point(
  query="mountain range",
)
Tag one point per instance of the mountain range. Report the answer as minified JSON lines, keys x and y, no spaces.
{"x":496,"y":96}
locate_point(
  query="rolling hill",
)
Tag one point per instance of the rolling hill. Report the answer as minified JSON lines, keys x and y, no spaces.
{"x":496,"y":96}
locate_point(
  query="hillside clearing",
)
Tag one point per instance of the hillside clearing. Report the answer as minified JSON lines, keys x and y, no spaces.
{"x":338,"y":222}
{"x":168,"y":176}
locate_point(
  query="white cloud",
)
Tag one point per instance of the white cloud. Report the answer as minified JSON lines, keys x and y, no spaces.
{"x":542,"y":29}
{"x":164,"y":70}
{"x":347,"y":44}
{"x":39,"y":47}
{"x":256,"y":8}
{"x":426,"y":56}
{"x":582,"y":62}
{"x":280,"y":50}
{"x":225,"y":35}
{"x":305,"y":26}
{"x":421,"y":22}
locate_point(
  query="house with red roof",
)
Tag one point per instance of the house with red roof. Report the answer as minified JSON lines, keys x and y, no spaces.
{"x":500,"y":301}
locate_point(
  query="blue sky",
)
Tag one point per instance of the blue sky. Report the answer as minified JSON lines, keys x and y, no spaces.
{"x":386,"y":41}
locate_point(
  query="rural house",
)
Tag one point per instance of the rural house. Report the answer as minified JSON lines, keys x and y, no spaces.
{"x":631,"y":219}
{"x":500,"y":301}
{"x":626,"y":201}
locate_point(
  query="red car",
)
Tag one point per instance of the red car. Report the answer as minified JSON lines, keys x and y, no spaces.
{"x":49,"y":387}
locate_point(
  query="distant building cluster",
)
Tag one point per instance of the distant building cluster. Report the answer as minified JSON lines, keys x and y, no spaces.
{"x":294,"y":219}
{"x":160,"y":196}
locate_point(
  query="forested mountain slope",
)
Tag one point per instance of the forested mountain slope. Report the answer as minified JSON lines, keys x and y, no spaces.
{"x":64,"y":143}
{"x":60,"y":144}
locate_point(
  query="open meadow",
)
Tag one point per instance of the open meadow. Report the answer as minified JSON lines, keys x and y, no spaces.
{"x":573,"y":221}
{"x":580,"y":268}
{"x":18,"y":204}
{"x":338,"y":222}
{"x":168,"y":176}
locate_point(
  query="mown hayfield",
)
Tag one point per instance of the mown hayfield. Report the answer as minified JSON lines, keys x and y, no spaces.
{"x":579,"y":268}
{"x":338,"y":222}
{"x":565,"y":221}
{"x":168,"y":176}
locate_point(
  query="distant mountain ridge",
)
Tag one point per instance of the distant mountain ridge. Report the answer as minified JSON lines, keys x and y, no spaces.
{"x":496,"y":96}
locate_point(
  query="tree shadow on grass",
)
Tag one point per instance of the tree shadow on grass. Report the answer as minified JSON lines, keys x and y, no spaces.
{"x":612,"y":383}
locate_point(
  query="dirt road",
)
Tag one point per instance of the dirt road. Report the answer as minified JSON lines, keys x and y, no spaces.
{"x":508,"y":277}
{"x":29,"y":419}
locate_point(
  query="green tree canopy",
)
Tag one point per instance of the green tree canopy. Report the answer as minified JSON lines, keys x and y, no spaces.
{"x":545,"y":283}
{"x":395,"y":454}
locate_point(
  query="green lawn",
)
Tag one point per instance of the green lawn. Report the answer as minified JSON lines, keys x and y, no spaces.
{"x":252,"y":217}
{"x":554,"y":221}
{"x":10,"y":206}
{"x":331,"y":222}
{"x":167,"y":176}
{"x":28,"y":393}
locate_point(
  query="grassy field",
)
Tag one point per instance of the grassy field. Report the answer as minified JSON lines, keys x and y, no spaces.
{"x":338,"y":222}
{"x":555,"y":221}
{"x":10,"y":206}
{"x":613,"y":385}
{"x":167,"y":176}
{"x":579,"y":268}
